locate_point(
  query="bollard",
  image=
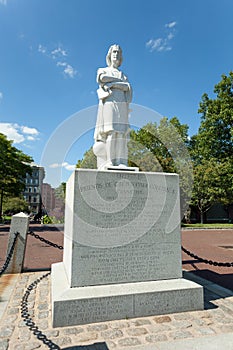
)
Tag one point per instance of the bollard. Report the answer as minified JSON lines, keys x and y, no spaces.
{"x":19,"y":223}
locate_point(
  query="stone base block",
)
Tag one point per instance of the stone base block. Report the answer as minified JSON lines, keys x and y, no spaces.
{"x":83,"y":305}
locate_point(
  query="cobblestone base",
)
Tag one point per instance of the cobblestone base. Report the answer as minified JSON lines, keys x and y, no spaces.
{"x":217,"y":318}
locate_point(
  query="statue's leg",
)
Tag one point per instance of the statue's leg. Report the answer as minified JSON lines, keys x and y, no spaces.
{"x":99,"y":149}
{"x":121,"y":149}
{"x":111,"y":148}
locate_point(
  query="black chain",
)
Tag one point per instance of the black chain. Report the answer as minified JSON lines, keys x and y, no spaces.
{"x":45,"y":240}
{"x":27,"y":318}
{"x":10,"y":254}
{"x":206,"y":261}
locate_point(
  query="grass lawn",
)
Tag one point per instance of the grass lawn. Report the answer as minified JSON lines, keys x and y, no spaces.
{"x":213,"y":226}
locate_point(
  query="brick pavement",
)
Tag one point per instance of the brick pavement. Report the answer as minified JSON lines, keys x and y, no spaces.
{"x":216,"y":245}
{"x":38,"y":255}
{"x":156,"y":332}
{"x":210,"y":244}
{"x":216,"y":319}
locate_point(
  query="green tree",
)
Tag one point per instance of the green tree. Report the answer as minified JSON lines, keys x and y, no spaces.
{"x":211,"y":149}
{"x":89,"y":160}
{"x":164,"y":147}
{"x":14,"y":165}
{"x":204,"y":189}
{"x":165,"y":143}
{"x":14,"y":205}
{"x":60,"y":191}
{"x":215,"y":135}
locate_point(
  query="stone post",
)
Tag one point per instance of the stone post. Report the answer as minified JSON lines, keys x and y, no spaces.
{"x":19,"y":223}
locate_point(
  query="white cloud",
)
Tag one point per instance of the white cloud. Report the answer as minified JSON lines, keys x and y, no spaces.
{"x":31,"y":131}
{"x":58,"y":52}
{"x":11,"y":132}
{"x":21,"y":36}
{"x":158,"y":45}
{"x":61,"y":64}
{"x":68,"y":69}
{"x":31,"y":138}
{"x":170,"y":25}
{"x":163,"y":43}
{"x":1,"y":95}
{"x":55,"y":165}
{"x":70,"y":167}
{"x":67,"y":166}
{"x":18,"y":133}
{"x":57,"y":55}
{"x":170,"y":36}
{"x":42,"y":49}
{"x":3,"y":2}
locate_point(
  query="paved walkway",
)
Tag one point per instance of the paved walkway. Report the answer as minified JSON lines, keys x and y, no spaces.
{"x":210,"y":329}
{"x":216,"y":245}
{"x":210,"y":244}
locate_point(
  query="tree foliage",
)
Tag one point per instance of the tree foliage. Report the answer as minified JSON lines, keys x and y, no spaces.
{"x":215,"y":136}
{"x":60,"y":191}
{"x":159,"y":147}
{"x":164,"y":148}
{"x":89,"y":160}
{"x":211,"y":148}
{"x":14,"y":165}
{"x":14,"y":205}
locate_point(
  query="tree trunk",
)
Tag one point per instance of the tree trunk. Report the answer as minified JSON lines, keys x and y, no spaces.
{"x":1,"y":201}
{"x":202,"y":217}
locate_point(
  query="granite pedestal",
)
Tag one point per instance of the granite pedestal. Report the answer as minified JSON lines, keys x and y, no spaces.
{"x":122,"y":249}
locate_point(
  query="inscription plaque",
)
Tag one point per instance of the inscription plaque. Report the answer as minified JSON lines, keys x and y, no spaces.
{"x":125,"y":227}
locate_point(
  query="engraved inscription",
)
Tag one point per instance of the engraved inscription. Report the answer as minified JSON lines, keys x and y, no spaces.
{"x":136,"y":208}
{"x":96,"y":309}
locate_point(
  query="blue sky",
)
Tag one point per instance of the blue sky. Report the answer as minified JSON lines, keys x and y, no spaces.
{"x":174,"y":51}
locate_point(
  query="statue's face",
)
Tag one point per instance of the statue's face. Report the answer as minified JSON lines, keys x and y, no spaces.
{"x":115,"y":55}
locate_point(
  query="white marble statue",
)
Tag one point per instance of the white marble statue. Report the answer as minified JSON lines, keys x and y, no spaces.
{"x":112,"y":125}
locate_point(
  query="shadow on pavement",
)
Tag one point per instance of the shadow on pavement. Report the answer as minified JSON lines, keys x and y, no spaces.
{"x":211,"y":290}
{"x":96,"y":346}
{"x":41,"y":228}
{"x":224,"y":279}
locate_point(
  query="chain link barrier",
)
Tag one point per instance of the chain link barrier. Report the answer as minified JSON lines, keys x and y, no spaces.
{"x":45,"y":240}
{"x":24,"y":303}
{"x":27,"y":317}
{"x":10,"y":254}
{"x":203,"y":260}
{"x":206,"y":261}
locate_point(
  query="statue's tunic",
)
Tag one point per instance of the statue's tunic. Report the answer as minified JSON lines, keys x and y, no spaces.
{"x":113,"y":107}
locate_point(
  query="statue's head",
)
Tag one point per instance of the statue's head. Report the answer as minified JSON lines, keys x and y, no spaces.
{"x":109,"y":54}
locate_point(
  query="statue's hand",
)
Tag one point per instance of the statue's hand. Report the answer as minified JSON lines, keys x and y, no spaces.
{"x":107,"y":86}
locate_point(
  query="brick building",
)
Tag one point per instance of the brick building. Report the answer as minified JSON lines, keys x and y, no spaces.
{"x":48,"y":197}
{"x":52,"y":204}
